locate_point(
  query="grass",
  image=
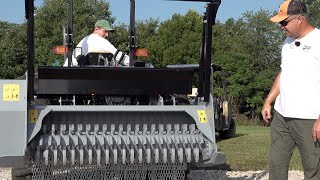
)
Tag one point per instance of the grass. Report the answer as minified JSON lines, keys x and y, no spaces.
{"x":250,"y":148}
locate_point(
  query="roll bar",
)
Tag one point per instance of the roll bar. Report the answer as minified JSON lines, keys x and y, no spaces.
{"x":29,"y":14}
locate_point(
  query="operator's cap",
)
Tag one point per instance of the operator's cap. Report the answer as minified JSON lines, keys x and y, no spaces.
{"x":288,"y":8}
{"x":104,"y":24}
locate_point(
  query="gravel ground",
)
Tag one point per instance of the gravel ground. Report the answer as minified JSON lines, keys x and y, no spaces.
{"x":237,"y":175}
{"x":5,"y":174}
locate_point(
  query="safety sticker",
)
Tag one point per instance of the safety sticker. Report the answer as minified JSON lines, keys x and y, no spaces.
{"x":33,"y":115}
{"x":202,"y":116}
{"x":11,"y":92}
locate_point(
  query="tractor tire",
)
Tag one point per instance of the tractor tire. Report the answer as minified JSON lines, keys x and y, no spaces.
{"x":229,"y":133}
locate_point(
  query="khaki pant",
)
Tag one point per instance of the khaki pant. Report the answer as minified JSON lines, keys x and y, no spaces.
{"x":286,"y":135}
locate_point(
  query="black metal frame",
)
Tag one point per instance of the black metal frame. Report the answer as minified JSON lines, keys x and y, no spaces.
{"x":69,"y":38}
{"x":132,"y":32}
{"x":113,"y":81}
{"x":29,"y":9}
{"x":204,"y":89}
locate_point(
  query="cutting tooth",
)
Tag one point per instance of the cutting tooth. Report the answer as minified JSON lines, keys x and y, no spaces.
{"x":73,"y":154}
{"x":124,"y":155}
{"x":165,"y":155}
{"x":98,"y":151}
{"x":131,"y":155}
{"x":107,"y":156}
{"x":115,"y":156}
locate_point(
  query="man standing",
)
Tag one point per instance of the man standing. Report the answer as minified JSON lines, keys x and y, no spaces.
{"x":296,"y":91}
{"x":97,"y":42}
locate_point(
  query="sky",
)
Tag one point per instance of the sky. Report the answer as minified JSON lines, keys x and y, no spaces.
{"x":13,"y":10}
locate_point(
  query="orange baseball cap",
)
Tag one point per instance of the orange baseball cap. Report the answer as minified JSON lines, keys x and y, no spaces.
{"x":288,"y":8}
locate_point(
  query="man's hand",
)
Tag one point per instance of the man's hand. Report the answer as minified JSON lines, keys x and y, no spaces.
{"x":316,"y":131}
{"x":266,"y":112}
{"x":274,"y":92}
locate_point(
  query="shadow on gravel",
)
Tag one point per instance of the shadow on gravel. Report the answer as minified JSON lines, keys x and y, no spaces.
{"x":218,"y":139}
{"x":223,"y":167}
{"x":225,"y":175}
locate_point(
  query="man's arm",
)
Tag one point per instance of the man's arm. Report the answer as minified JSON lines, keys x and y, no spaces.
{"x":119,"y":56}
{"x":274,"y":92}
{"x":78,"y":50}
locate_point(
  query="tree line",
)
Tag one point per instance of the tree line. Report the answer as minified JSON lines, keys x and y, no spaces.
{"x":247,"y":48}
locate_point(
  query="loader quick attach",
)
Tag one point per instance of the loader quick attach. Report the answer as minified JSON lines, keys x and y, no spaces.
{"x":106,"y":122}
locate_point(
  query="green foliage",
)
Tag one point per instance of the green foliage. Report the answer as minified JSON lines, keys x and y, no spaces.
{"x":313,"y":8}
{"x":119,"y":37}
{"x":13,"y":50}
{"x":144,"y":31}
{"x":177,"y":40}
{"x":243,"y":120}
{"x":249,"y":52}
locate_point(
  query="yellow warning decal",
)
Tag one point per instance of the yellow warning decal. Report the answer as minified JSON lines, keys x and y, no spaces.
{"x":202,"y":116}
{"x":11,"y":92}
{"x":33,"y":115}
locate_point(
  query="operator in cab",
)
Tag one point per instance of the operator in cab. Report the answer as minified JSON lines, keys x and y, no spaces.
{"x":97,"y":42}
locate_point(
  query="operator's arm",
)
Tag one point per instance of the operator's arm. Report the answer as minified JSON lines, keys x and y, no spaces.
{"x":119,"y":56}
{"x":76,"y":52}
{"x":74,"y":62}
{"x":274,"y":92}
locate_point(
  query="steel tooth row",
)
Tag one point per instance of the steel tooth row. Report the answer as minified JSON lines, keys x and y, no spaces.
{"x":105,"y":144}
